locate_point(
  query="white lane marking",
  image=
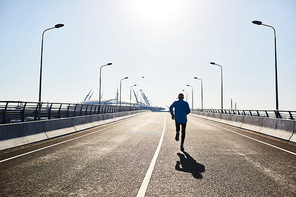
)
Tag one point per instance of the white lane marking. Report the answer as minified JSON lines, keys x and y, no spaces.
{"x":254,"y":139}
{"x":10,"y":158}
{"x":146,"y":180}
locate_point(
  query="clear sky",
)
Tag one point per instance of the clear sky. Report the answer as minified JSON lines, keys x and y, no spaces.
{"x":168,"y":42}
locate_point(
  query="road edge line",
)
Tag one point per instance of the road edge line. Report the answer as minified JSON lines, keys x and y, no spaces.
{"x":146,"y":180}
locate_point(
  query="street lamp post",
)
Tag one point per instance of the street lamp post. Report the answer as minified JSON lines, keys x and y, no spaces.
{"x":186,"y":94}
{"x":137,"y":95}
{"x":131,"y":96}
{"x":41,"y":59}
{"x":40,"y":80}
{"x":120,"y":91}
{"x":201,"y":90}
{"x":275,"y":62}
{"x":100,"y":85}
{"x":213,"y":63}
{"x":192,"y":95}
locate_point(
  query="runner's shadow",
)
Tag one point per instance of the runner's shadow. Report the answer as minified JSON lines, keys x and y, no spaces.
{"x":188,"y":164}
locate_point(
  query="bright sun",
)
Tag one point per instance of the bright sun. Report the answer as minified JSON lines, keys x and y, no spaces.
{"x":156,"y":11}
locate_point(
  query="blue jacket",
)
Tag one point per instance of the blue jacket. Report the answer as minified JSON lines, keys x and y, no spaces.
{"x":181,"y":111}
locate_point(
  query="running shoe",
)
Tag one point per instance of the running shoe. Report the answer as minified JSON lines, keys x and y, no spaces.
{"x":177,"y":136}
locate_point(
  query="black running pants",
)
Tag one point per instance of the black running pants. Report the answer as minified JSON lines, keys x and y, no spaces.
{"x":183,"y":130}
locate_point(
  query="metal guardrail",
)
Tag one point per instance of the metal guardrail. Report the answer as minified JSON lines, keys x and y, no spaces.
{"x":20,"y":111}
{"x":290,"y":115}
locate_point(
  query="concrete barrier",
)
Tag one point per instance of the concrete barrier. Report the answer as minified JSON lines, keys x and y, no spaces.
{"x":284,"y":129}
{"x":218,"y":116}
{"x":279,"y":128}
{"x":97,"y":120}
{"x":214,"y":117}
{"x":225,"y":118}
{"x":293,"y":138}
{"x":18,"y":134}
{"x":247,"y":122}
{"x":205,"y":114}
{"x":116,"y":116}
{"x":120,"y":114}
{"x":58,"y":127}
{"x":269,"y":125}
{"x":240,"y":119}
{"x":108,"y":118}
{"x":236,"y":120}
{"x":211,"y":117}
{"x":253,"y":123}
{"x":257,"y":123}
{"x":82,"y":122}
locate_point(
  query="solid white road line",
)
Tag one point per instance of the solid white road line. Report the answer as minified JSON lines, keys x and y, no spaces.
{"x":10,"y":158}
{"x":146,"y":180}
{"x":253,"y":139}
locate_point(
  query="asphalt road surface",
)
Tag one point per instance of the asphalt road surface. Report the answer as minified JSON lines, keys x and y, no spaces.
{"x":139,"y":156}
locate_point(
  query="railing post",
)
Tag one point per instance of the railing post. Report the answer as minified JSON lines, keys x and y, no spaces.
{"x":23,"y":113}
{"x":37,"y":112}
{"x":59,"y":112}
{"x":68,"y":110}
{"x":99,"y":109}
{"x":291,"y":116}
{"x":49,"y":113}
{"x":86,"y":110}
{"x":75,"y":110}
{"x":91,"y":109}
{"x":4,"y":114}
{"x":277,"y":114}
{"x":95,"y":110}
{"x":81,"y":108}
{"x":266,"y":114}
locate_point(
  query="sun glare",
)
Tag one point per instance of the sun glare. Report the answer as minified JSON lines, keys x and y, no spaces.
{"x":157,"y":11}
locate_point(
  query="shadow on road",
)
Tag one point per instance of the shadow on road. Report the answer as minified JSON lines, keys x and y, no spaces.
{"x":188,"y":164}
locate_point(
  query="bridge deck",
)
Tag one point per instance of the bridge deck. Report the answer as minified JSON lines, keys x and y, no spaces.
{"x":113,"y":160}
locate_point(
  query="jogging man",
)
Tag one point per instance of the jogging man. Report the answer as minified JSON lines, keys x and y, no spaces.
{"x":180,"y":117}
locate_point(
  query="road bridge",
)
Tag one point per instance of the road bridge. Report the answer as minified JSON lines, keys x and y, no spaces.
{"x":139,"y":156}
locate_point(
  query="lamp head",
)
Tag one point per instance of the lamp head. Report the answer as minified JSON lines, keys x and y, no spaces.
{"x":187,"y":85}
{"x":59,"y":25}
{"x":135,"y":85}
{"x":257,"y":22}
{"x":212,"y":63}
{"x":126,"y":78}
{"x":195,"y":77}
{"x":109,"y":64}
